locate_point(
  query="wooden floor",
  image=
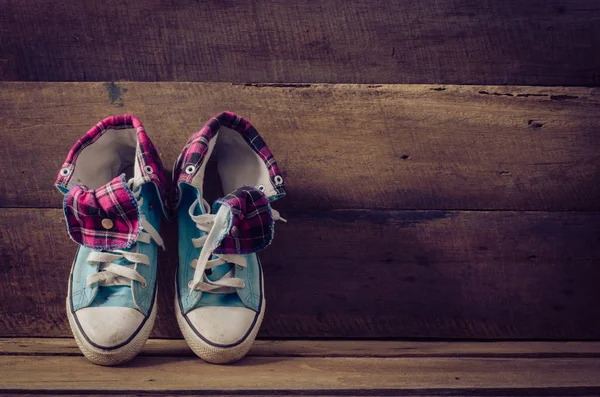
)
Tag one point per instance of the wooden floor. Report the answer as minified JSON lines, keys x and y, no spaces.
{"x":168,"y":367}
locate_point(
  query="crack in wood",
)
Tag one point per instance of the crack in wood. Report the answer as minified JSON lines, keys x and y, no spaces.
{"x":274,"y":85}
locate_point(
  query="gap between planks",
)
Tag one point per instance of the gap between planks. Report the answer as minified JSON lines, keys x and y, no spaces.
{"x":331,"y":348}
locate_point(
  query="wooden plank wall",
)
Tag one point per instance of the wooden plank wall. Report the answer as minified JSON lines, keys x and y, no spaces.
{"x":534,"y":42}
{"x":438,"y":210}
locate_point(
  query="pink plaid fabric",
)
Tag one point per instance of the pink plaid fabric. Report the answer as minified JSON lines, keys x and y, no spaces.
{"x":251,"y":227}
{"x":147,"y":153}
{"x":89,"y":213}
{"x":195,"y":149}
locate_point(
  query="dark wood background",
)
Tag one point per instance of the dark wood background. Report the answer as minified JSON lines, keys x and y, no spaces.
{"x":533,"y":42}
{"x":434,"y":210}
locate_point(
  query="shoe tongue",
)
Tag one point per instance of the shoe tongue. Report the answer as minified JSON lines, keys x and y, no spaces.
{"x":105,"y":218}
{"x":250,"y":227}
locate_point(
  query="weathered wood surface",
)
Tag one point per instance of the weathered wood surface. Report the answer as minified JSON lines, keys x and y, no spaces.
{"x":340,"y":146}
{"x":550,"y":42}
{"x":569,"y":391}
{"x":33,"y":366}
{"x":297,"y":374}
{"x":437,"y":274}
{"x":330,"y":348}
{"x":312,"y":375}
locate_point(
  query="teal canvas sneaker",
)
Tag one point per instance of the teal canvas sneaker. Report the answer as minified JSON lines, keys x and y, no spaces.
{"x":114,"y":194}
{"x":219,"y":299}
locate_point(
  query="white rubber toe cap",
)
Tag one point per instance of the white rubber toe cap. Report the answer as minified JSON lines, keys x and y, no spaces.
{"x":109,"y":326}
{"x":222,"y":325}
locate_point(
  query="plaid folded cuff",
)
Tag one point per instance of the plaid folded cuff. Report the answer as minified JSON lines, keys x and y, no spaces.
{"x":252,"y":227}
{"x":148,"y":157}
{"x":196,"y":148}
{"x":105,"y":218}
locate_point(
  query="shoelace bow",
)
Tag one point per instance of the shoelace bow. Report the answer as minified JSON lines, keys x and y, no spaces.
{"x":215,"y":225}
{"x":111,"y":273}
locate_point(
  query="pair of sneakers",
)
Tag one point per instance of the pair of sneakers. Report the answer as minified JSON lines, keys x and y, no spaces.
{"x":115,"y":195}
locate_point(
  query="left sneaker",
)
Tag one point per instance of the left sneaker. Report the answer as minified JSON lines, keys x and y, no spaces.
{"x":114,"y":191}
{"x":219,"y":300}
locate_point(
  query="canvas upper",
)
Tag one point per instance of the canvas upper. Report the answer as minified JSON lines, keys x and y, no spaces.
{"x":114,"y":196}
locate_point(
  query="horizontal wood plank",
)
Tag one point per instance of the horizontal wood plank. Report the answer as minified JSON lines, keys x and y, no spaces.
{"x":339,"y":146}
{"x":315,"y":375}
{"x":556,"y":392}
{"x":550,"y":42}
{"x":437,"y":274}
{"x":330,"y":348}
{"x":292,"y":367}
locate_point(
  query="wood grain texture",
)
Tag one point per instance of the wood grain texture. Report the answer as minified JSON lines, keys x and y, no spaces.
{"x":365,"y":274}
{"x":557,"y":392}
{"x":318,"y":368}
{"x":330,"y":348}
{"x":550,"y":42}
{"x":270,"y":374}
{"x":339,"y":146}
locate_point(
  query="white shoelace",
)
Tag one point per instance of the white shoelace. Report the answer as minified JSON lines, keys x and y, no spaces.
{"x":111,"y":273}
{"x":215,"y":225}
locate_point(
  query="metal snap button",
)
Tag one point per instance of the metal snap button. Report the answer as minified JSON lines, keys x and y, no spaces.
{"x":107,"y":223}
{"x":65,"y":172}
{"x":278,"y":180}
{"x":190,"y":169}
{"x":148,"y":169}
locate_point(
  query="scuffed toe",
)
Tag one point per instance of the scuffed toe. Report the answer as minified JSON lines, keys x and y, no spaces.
{"x":222,"y":325}
{"x":109,"y":327}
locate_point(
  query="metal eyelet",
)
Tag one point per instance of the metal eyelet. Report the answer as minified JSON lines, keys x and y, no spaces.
{"x":261,"y":188}
{"x":65,"y":172}
{"x":278,"y":180}
{"x":190,"y":169}
{"x":148,"y":169}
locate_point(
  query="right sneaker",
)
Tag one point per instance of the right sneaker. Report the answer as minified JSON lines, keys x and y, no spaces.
{"x":219,"y":300}
{"x":114,"y":196}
